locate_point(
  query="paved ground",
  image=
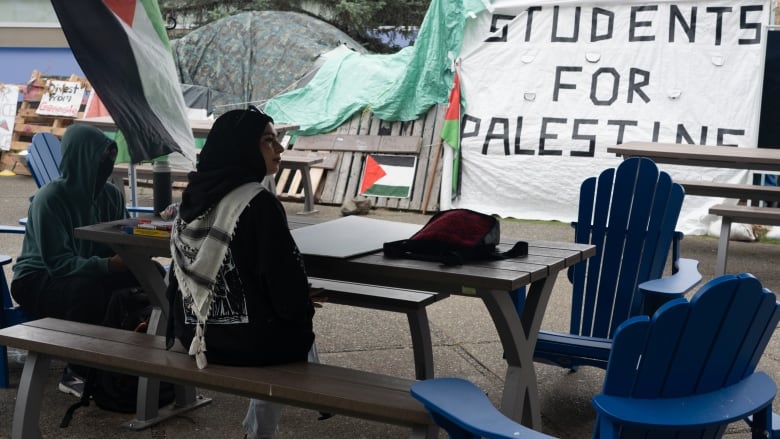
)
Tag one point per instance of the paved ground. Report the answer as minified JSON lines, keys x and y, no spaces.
{"x":465,"y":345}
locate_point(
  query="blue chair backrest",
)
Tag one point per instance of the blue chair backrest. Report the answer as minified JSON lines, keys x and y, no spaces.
{"x":43,"y":158}
{"x":696,"y":347}
{"x":630,"y":214}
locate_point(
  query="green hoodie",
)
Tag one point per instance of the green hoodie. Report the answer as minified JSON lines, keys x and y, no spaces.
{"x":70,"y":201}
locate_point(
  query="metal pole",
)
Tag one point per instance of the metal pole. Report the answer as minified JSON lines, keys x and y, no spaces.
{"x":161,"y":184}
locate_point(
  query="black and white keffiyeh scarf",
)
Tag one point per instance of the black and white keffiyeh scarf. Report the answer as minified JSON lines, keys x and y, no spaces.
{"x":198,"y":249}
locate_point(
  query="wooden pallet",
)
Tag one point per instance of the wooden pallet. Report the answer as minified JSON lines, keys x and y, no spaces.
{"x":28,"y":122}
{"x":342,"y":182}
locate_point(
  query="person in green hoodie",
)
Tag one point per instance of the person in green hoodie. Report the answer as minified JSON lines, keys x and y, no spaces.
{"x":57,"y":275}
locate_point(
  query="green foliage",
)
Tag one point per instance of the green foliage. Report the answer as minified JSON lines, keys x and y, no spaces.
{"x":354,"y":17}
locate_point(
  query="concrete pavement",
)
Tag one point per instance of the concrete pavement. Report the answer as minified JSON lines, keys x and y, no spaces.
{"x":465,"y":345}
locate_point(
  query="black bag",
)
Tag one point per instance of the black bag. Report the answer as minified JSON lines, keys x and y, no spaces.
{"x":129,"y":309}
{"x":454,"y":237}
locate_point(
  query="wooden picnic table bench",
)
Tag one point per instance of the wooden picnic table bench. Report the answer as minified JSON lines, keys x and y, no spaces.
{"x":752,"y":192}
{"x":739,"y":214}
{"x":410,"y":302}
{"x":321,"y":387}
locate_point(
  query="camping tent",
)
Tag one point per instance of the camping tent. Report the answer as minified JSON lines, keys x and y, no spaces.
{"x":252,"y":56}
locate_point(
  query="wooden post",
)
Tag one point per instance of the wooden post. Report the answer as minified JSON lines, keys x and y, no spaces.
{"x":429,"y":186}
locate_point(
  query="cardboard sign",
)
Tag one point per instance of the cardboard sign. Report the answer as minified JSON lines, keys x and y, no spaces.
{"x":9,"y":95}
{"x":61,"y":98}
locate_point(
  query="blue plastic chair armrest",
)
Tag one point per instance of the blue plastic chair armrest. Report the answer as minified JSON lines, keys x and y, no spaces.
{"x":12,"y":229}
{"x":465,"y":407}
{"x":751,"y":395}
{"x":676,"y":285}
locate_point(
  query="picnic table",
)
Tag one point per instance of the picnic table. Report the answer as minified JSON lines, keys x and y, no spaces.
{"x":357,"y":257}
{"x":293,"y":160}
{"x":137,"y":252}
{"x":344,"y":249}
{"x":755,"y":159}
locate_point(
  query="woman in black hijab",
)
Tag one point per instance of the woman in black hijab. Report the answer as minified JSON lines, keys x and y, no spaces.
{"x":239,"y":285}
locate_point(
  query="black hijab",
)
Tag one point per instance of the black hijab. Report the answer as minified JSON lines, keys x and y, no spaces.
{"x":230,"y":158}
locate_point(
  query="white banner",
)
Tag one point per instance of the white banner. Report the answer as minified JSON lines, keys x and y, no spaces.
{"x":549,"y":85}
{"x":9,"y":96}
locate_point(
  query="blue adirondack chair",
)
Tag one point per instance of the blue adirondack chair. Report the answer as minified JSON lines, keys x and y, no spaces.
{"x":686,"y":373}
{"x":44,"y":156}
{"x":629,"y":214}
{"x":9,"y":315}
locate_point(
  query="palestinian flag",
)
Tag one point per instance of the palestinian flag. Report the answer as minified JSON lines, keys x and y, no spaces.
{"x":450,"y":131}
{"x":388,"y":175}
{"x":122,"y":47}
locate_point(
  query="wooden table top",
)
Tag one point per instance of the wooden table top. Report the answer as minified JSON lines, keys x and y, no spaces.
{"x":200,"y":127}
{"x":544,"y":258}
{"x":764,"y":159}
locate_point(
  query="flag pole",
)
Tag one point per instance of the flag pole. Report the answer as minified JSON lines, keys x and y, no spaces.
{"x":429,"y":186}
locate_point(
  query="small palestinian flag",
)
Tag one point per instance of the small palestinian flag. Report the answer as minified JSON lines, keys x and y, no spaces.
{"x":388,"y":175}
{"x":450,"y":131}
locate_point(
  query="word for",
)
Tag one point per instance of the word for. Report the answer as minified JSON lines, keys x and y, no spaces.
{"x":637,"y":78}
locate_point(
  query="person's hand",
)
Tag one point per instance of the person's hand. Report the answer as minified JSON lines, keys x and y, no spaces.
{"x":317,"y":299}
{"x":116,"y":264}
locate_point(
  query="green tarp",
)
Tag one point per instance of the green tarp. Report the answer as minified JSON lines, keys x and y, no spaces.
{"x":396,"y":87}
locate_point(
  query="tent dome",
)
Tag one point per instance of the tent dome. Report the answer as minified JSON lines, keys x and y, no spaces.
{"x":253,"y":56}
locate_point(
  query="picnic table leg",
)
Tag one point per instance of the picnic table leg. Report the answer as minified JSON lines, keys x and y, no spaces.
{"x":518,"y":334}
{"x":723,"y":246}
{"x":147,"y":412}
{"x":308,"y":193}
{"x":421,"y":344}
{"x":428,"y":432}
{"x":147,"y":399}
{"x":30,"y":396}
{"x":133,"y":183}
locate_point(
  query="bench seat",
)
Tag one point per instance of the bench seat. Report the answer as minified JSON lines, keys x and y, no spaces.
{"x":410,"y":302}
{"x":319,"y":387}
{"x":731,"y":190}
{"x":769,"y":216}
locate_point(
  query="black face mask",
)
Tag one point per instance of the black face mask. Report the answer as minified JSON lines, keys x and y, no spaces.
{"x":106,"y":166}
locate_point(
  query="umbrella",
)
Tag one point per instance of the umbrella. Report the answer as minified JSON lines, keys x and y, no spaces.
{"x":253,"y":56}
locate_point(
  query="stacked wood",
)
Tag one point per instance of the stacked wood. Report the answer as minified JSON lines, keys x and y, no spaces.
{"x":365,"y":134}
{"x":28,"y":122}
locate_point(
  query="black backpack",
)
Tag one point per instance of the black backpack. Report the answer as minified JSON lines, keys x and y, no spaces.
{"x":130,"y":309}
